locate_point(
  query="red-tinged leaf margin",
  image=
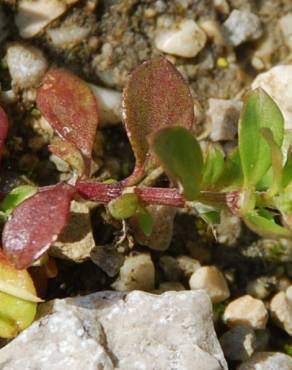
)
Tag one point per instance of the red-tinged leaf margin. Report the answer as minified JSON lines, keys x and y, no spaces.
{"x":70,"y":107}
{"x":3,"y":129}
{"x":36,"y":223}
{"x":156,"y":96}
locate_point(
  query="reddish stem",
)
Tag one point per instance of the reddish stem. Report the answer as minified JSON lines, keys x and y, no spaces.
{"x":161,"y":196}
{"x":104,"y":193}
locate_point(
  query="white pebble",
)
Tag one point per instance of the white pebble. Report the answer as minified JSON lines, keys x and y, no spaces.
{"x":137,"y":273}
{"x":212,"y":280}
{"x":185,"y":39}
{"x":33,"y":16}
{"x":188,"y":265}
{"x":246,"y":310}
{"x":109,"y":104}
{"x":26,"y":65}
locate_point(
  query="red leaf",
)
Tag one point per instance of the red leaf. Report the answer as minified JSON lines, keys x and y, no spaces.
{"x":156,"y":96}
{"x":70,"y":107}
{"x":3,"y":129}
{"x":36,"y":223}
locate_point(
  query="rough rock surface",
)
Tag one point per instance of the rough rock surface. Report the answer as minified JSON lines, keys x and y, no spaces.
{"x":116,"y":331}
{"x":267,"y":361}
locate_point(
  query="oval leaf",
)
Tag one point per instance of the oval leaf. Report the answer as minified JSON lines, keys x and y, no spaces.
{"x":265,"y":226}
{"x":124,"y":206}
{"x":181,"y":157}
{"x":3,"y":129}
{"x":17,"y":299}
{"x":213,"y":167}
{"x":155,"y":96}
{"x":70,"y":107}
{"x":259,"y":111}
{"x":36,"y":223}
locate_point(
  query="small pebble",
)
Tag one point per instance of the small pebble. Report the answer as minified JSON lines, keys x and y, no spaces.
{"x":223,"y":116}
{"x":109,"y":104}
{"x":238,"y":343}
{"x":281,"y":311}
{"x":246,"y":310}
{"x":33,"y":16}
{"x":188,"y":265}
{"x":242,"y":26}
{"x":185,"y":39}
{"x":267,"y":361}
{"x":137,"y":273}
{"x":212,"y":280}
{"x":285,"y":23}
{"x":27,"y":65}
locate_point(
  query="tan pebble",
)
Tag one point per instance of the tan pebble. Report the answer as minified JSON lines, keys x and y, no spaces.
{"x":246,"y":310}
{"x":213,"y":281}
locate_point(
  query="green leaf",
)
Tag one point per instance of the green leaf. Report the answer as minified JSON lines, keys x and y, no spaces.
{"x":287,"y":172}
{"x":213,"y":168}
{"x":259,"y":111}
{"x":145,"y":220}
{"x":124,"y":206}
{"x":16,"y":196}
{"x":277,"y":160}
{"x":211,"y":218}
{"x":181,"y":157}
{"x":265,"y":225}
{"x":232,"y":177}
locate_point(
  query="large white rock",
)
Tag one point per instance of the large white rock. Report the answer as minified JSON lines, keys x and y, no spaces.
{"x":267,"y":361}
{"x":115,"y":331}
{"x":277,"y":82}
{"x":33,"y":16}
{"x":26,"y":65}
{"x":185,"y":39}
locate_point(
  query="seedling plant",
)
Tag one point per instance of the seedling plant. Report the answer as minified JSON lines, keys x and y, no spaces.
{"x":253,"y":181}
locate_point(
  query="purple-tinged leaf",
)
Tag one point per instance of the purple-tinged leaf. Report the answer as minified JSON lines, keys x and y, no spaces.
{"x":36,"y":223}
{"x":156,"y":96}
{"x":70,"y":107}
{"x":3,"y":129}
